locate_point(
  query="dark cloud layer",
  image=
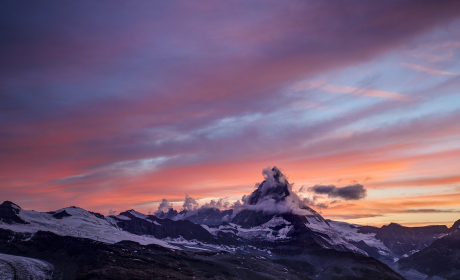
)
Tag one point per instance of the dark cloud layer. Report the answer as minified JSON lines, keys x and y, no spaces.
{"x":352,"y":192}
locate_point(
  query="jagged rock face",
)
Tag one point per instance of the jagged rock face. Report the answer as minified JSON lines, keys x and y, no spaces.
{"x":405,"y":240}
{"x":251,"y":218}
{"x":171,"y":214}
{"x":9,"y":213}
{"x":210,"y":216}
{"x":62,"y":214}
{"x":97,"y":215}
{"x":275,"y":187}
{"x":163,"y":228}
{"x":371,"y":251}
{"x":441,"y":258}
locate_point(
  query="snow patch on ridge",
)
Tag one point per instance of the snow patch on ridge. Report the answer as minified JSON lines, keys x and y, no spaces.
{"x":350,"y":232}
{"x":275,"y":229}
{"x":123,"y":217}
{"x":198,"y":246}
{"x":81,"y":223}
{"x":137,"y":214}
{"x":15,"y":206}
{"x":335,"y":237}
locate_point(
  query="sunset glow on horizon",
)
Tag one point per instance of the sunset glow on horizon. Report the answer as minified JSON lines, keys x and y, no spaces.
{"x":116,"y":105}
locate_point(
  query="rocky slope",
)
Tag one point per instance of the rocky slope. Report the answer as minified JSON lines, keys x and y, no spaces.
{"x":441,"y":258}
{"x":81,"y":258}
{"x":403,"y":240}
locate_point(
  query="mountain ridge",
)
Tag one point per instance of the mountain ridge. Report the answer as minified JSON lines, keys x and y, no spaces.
{"x":272,"y":223}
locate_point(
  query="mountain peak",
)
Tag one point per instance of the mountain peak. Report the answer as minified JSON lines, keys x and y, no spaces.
{"x":275,"y":186}
{"x":9,"y":213}
{"x":277,"y":171}
{"x":10,"y":204}
{"x":275,"y":196}
{"x":455,"y":226}
{"x":395,"y":225}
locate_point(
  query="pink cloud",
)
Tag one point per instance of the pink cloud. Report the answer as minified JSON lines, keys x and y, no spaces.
{"x":427,"y":70}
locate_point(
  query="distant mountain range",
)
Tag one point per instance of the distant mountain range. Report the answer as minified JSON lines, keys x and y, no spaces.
{"x":274,"y":236}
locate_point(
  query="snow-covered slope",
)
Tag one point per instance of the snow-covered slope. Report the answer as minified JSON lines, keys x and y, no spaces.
{"x":334,"y":237}
{"x":350,"y":232}
{"x":78,"y":222}
{"x":279,"y":229}
{"x":14,"y":267}
{"x":275,"y":229}
{"x":391,"y":242}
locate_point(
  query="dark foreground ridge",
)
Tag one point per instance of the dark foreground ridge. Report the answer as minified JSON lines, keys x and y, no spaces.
{"x":80,"y":258}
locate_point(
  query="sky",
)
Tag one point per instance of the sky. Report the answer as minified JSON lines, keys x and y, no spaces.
{"x":115,"y":105}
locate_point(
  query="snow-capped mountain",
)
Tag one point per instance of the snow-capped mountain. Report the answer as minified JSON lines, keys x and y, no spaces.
{"x":274,"y":212}
{"x":70,"y":221}
{"x":272,"y":224}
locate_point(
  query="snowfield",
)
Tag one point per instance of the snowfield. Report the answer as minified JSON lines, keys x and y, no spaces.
{"x":263,"y":231}
{"x":80,"y":224}
{"x":335,"y":236}
{"x":350,"y":232}
{"x":14,"y":267}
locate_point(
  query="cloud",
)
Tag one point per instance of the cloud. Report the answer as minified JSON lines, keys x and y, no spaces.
{"x":191,"y":207}
{"x":352,"y":192}
{"x":354,"y":216}
{"x":321,"y":189}
{"x":322,"y":84}
{"x":310,"y":200}
{"x":112,"y":212}
{"x":428,"y":211}
{"x":420,"y":181}
{"x":237,"y":206}
{"x":164,"y":207}
{"x":275,"y":196}
{"x":427,"y":70}
{"x":321,"y":205}
{"x":190,"y":203}
{"x":221,"y":203}
{"x":362,"y":91}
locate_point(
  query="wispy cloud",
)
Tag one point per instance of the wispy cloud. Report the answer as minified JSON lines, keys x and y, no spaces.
{"x":363,"y":91}
{"x":427,"y":70}
{"x":324,"y":85}
{"x":429,"y":211}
